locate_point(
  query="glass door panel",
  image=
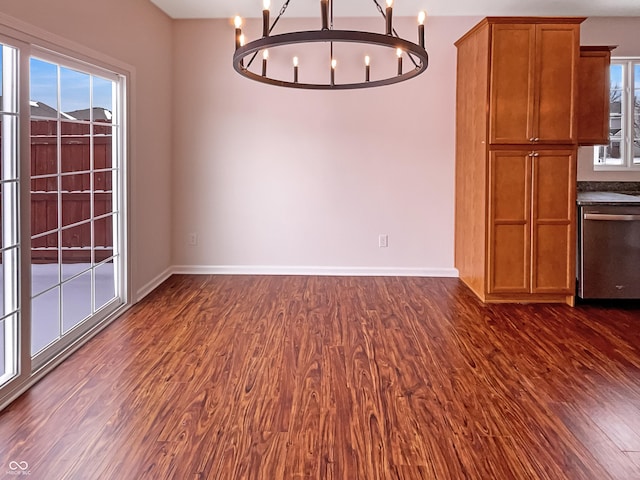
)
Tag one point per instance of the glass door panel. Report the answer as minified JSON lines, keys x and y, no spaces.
{"x":45,"y":319}
{"x":9,"y":219}
{"x":75,"y":168}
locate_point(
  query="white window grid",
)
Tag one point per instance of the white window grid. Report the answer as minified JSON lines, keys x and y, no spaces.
{"x":624,"y":124}
{"x":115,"y":212}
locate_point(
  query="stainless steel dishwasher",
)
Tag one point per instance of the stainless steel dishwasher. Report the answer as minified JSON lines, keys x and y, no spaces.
{"x":608,"y":263}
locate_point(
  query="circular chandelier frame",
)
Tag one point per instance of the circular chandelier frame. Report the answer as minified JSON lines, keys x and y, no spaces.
{"x":328,"y":36}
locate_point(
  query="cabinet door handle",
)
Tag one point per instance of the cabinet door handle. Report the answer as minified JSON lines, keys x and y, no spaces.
{"x":611,"y":217}
{"x":534,"y":139}
{"x":535,"y":154}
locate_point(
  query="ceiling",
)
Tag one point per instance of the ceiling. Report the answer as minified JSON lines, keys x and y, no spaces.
{"x":364,"y":8}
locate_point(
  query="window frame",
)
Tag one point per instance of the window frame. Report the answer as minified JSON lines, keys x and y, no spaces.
{"x":11,"y":314}
{"x":627,"y":119}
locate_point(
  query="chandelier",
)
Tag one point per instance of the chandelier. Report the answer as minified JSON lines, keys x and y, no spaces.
{"x":246,"y":53}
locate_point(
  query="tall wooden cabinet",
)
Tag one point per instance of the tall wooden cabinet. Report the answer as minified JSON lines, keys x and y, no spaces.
{"x":516,"y":149}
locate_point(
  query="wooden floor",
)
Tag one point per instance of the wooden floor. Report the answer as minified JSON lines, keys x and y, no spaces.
{"x":242,"y":377}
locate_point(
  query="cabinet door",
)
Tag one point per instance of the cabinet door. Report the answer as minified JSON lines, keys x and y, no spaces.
{"x":512,"y":89}
{"x":593,"y":95}
{"x":533,"y":83}
{"x":509,"y":222}
{"x":557,"y":53}
{"x":553,"y":221}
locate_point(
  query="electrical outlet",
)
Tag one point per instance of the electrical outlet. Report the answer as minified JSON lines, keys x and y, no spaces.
{"x":193,"y":239}
{"x":383,"y":240}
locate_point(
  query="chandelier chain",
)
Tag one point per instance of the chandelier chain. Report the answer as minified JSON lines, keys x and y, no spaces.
{"x":415,"y":64}
{"x":282,"y":10}
{"x":379,"y":9}
{"x":331,"y":16}
{"x":273,"y":25}
{"x":331,"y":28}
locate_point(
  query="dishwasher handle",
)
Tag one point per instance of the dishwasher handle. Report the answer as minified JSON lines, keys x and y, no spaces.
{"x":612,"y":217}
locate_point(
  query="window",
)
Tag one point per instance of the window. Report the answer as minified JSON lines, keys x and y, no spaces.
{"x":623,"y":150}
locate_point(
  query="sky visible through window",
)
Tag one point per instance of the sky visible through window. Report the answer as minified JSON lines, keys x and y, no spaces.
{"x":616,"y":75}
{"x":75,"y":91}
{"x":616,"y":72}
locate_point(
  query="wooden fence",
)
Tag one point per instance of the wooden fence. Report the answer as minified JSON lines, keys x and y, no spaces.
{"x":67,"y":198}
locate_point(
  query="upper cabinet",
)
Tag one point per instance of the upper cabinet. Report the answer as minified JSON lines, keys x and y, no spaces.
{"x":533,"y":85}
{"x":593,"y":95}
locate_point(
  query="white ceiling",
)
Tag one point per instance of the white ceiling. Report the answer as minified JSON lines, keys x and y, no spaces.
{"x":364,"y":8}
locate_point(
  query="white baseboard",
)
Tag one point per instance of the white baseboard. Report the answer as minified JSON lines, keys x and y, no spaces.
{"x":151,"y":285}
{"x":337,"y":271}
{"x":278,"y":270}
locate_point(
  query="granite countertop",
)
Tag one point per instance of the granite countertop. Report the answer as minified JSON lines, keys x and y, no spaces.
{"x":630,"y":188}
{"x":607,"y":198}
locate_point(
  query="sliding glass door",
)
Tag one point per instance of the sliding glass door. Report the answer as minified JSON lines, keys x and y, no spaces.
{"x":76,"y":236}
{"x":63,"y":266}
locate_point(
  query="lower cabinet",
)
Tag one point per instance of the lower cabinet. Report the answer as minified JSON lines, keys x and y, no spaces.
{"x":531,"y":224}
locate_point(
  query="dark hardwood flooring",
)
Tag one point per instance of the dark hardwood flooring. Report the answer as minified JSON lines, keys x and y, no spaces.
{"x":245,"y":377}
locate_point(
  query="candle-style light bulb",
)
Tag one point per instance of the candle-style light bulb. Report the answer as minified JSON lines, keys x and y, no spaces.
{"x":367,"y":68}
{"x":295,"y":69}
{"x":421,"y":17}
{"x":237,"y":21}
{"x":388,"y":16}
{"x":265,"y":18}
{"x":399,"y":54}
{"x":333,"y":71}
{"x":295,"y":61}
{"x":240,"y":43}
{"x":265,"y":57}
{"x":324,"y":14}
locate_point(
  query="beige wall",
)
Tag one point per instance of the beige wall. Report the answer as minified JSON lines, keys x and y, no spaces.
{"x":305,"y":180}
{"x":139,"y":34}
{"x":609,"y":31}
{"x":271,"y":177}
